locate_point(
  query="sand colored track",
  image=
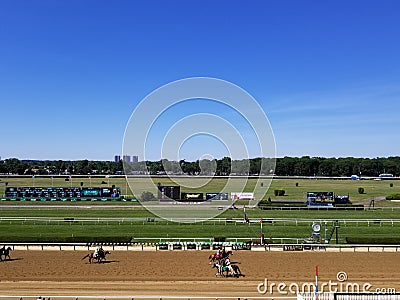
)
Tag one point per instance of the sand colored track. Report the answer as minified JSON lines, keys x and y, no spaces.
{"x":186,"y":272}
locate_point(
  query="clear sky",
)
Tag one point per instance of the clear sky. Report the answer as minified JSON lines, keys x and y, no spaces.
{"x":326,"y":73}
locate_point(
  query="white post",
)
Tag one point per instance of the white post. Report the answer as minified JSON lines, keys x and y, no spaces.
{"x":316,"y":282}
{"x":126,"y":187}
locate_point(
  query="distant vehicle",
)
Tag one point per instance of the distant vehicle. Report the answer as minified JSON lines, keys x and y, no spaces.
{"x":355,"y":177}
{"x":386,"y":175}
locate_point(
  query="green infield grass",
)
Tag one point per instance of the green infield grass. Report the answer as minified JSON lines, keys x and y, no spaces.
{"x":118,"y":231}
{"x":54,"y":225}
{"x":294,"y":189}
{"x":90,"y":217}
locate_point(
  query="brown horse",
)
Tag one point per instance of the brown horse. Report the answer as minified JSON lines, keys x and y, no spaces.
{"x":100,"y":256}
{"x":6,"y":252}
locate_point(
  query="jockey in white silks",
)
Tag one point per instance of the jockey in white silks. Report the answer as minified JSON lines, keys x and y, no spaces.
{"x":227,"y":262}
{"x":97,"y":251}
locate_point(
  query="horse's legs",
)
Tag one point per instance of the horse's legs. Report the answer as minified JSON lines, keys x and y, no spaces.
{"x":236,"y":271}
{"x":219,"y":270}
{"x":229,"y":270}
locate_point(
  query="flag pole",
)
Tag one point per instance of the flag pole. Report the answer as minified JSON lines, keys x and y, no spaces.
{"x":316,"y":282}
{"x":261,"y":232}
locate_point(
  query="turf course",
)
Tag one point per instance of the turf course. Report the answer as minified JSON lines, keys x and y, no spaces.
{"x":88,"y":230}
{"x":341,"y":187}
{"x":37,"y":222}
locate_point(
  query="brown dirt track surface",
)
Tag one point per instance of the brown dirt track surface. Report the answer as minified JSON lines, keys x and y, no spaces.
{"x":188,"y":273}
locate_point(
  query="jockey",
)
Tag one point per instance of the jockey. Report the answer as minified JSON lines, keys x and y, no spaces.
{"x":98,"y":251}
{"x":219,"y":254}
{"x":227,"y":262}
{"x":223,"y":253}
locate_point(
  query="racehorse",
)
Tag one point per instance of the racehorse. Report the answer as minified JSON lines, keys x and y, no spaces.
{"x":6,"y":252}
{"x":232,"y":270}
{"x":220,"y":269}
{"x":99,"y":257}
{"x":236,"y":270}
{"x":215,"y":257}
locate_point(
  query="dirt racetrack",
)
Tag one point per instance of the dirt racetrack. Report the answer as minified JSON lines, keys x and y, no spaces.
{"x":188,"y":273}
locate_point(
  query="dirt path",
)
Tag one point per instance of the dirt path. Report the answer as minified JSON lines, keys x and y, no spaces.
{"x":187,"y":273}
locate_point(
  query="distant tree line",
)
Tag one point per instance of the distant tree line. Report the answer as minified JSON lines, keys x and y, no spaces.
{"x":285,"y":166}
{"x":57,"y":167}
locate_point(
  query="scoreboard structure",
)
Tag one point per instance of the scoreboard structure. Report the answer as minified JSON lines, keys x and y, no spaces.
{"x":169,"y":192}
{"x":54,"y":193}
{"x":192,"y":197}
{"x":320,"y":199}
{"x":217,"y":196}
{"x":173,"y":192}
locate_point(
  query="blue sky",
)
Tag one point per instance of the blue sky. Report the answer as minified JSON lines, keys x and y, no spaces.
{"x":326,"y":73}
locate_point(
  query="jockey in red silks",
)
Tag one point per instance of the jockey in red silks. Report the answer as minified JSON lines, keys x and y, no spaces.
{"x":219,"y":254}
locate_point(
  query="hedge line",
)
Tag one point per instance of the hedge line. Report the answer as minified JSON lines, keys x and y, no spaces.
{"x":393,"y":197}
{"x":278,"y":204}
{"x":373,"y":240}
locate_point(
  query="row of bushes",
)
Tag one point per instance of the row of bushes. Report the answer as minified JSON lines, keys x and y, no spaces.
{"x":125,"y":240}
{"x":349,"y":240}
{"x":373,"y":240}
{"x":279,"y":204}
{"x":393,"y":197}
{"x":281,"y":192}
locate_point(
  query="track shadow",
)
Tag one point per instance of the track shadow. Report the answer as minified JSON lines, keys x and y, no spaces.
{"x":103,"y":262}
{"x":235,"y":276}
{"x":12,"y":259}
{"x":109,"y":261}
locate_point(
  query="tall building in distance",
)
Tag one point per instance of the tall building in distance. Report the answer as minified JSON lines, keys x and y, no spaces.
{"x":126,"y":158}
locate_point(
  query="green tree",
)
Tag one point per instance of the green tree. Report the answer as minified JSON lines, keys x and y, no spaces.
{"x":81,"y":167}
{"x":224,"y":166}
{"x":15,"y":166}
{"x":207,"y":167}
{"x":255,"y":166}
